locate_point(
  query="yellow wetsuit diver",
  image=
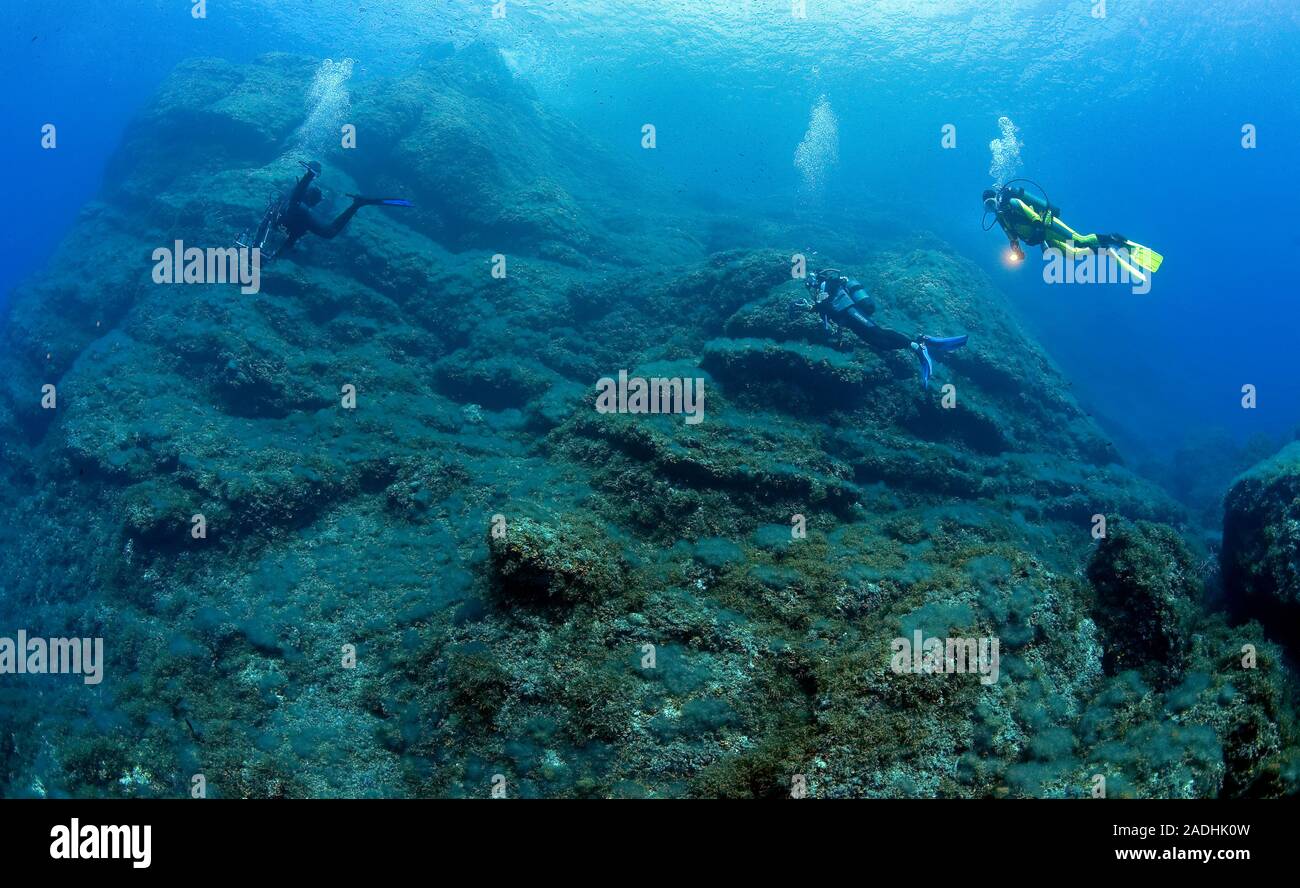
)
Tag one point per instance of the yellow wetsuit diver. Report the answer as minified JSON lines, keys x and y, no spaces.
{"x":1023,"y":217}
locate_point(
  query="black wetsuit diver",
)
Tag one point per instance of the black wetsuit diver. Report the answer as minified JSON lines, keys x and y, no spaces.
{"x":843,"y":302}
{"x":297,"y":216}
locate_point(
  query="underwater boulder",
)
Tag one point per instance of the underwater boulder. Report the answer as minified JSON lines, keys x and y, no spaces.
{"x":771,"y":317}
{"x":738,"y":464}
{"x":494,"y":382}
{"x":485,"y":162}
{"x":820,"y":378}
{"x":1147,"y":588}
{"x":211,"y":115}
{"x":715,"y":289}
{"x":976,"y":425}
{"x":537,"y":563}
{"x":157,"y":512}
{"x":1261,"y":542}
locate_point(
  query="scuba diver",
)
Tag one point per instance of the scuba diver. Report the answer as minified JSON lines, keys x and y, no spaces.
{"x":1023,"y":217}
{"x":843,"y":302}
{"x":296,"y":214}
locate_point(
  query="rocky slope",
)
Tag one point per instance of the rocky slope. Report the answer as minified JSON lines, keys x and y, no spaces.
{"x":1261,"y":542}
{"x":541,"y":596}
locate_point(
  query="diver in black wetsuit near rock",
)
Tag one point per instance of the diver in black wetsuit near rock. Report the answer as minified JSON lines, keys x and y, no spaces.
{"x":296,"y":214}
{"x":844,"y":302}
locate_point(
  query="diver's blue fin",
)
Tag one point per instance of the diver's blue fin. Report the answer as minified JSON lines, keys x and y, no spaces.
{"x":923,"y":357}
{"x":383,"y":201}
{"x":944,"y":344}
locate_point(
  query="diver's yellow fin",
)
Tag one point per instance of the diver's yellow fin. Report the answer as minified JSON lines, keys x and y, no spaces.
{"x":1145,"y":256}
{"x":1128,"y":266}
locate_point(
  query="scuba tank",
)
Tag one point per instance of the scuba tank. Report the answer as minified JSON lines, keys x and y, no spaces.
{"x":1006,"y":192}
{"x":1042,"y":207}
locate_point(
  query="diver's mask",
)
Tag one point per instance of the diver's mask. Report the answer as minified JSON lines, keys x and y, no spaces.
{"x":991,"y":201}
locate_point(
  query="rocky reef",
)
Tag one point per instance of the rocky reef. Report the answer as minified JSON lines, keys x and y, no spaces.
{"x":1261,"y":542}
{"x":471,"y":580}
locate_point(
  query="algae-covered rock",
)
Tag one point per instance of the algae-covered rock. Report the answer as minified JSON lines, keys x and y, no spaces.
{"x":790,"y":373}
{"x":540,"y":563}
{"x":494,"y":382}
{"x":210,"y":115}
{"x":1261,"y":542}
{"x":1147,"y":590}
